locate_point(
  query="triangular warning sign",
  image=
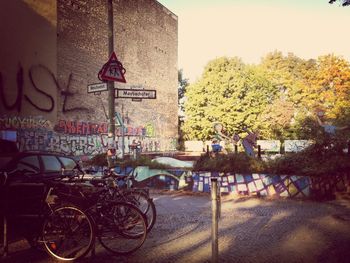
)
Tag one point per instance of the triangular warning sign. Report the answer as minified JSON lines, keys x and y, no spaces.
{"x":113,"y":70}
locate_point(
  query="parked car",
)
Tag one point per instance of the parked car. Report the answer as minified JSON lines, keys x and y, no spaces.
{"x":22,"y":175}
{"x":7,"y":146}
{"x":36,"y":166}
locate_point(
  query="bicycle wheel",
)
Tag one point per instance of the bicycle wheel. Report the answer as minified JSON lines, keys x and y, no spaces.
{"x":122,"y":228}
{"x":144,"y":203}
{"x":68,"y":233}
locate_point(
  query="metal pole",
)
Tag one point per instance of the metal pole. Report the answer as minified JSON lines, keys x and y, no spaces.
{"x":110,"y":84}
{"x":214,"y":225}
{"x":123,"y":141}
{"x":123,"y":133}
{"x":5,"y":240}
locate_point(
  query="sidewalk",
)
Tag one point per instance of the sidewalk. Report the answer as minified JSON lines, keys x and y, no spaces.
{"x":250,"y":230}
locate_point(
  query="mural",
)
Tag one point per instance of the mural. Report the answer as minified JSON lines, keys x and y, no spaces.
{"x":271,"y":185}
{"x":78,"y":138}
{"x":261,"y":185}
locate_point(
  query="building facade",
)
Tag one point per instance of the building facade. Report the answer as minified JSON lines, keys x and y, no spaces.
{"x":51,"y":50}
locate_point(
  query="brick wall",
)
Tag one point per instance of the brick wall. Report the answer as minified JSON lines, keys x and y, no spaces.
{"x":146,"y":44}
{"x":51,"y":50}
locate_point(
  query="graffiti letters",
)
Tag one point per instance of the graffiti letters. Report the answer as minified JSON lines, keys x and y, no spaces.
{"x":17,"y":104}
{"x":52,"y":102}
{"x":80,"y":127}
{"x":15,"y":123}
{"x":67,"y":93}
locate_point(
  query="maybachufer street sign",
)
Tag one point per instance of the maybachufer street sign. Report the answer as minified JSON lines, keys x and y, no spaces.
{"x":136,"y":93}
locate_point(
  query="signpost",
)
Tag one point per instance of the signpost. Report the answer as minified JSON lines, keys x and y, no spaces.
{"x":113,"y":70}
{"x":120,"y":123}
{"x":97,"y":87}
{"x":136,"y":94}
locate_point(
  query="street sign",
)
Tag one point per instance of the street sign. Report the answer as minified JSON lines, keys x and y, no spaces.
{"x":97,"y":87}
{"x":136,"y":94}
{"x":118,"y":119}
{"x":113,"y":70}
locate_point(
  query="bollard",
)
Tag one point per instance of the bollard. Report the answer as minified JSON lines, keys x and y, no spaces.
{"x":259,"y":151}
{"x":236,"y":148}
{"x":218,"y":202}
{"x":5,"y":240}
{"x":214,"y":217}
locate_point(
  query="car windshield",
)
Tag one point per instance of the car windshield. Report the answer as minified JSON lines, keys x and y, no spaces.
{"x":4,"y":160}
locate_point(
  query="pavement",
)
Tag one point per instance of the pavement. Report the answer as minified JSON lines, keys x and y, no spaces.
{"x":250,"y":230}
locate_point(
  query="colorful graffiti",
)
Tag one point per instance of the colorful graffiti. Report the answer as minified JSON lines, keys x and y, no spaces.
{"x":80,"y":127}
{"x":270,"y":185}
{"x":69,"y":144}
{"x":77,"y":137}
{"x":260,"y":185}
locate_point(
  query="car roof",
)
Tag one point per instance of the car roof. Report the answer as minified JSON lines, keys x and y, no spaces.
{"x":10,"y":158}
{"x":28,"y":153}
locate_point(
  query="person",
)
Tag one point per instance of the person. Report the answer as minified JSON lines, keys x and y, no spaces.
{"x":220,"y":137}
{"x":215,"y":146}
{"x":328,"y":127}
{"x":249,"y":142}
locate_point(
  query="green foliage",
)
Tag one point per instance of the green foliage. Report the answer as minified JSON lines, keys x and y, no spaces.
{"x":230,"y":93}
{"x":101,"y":160}
{"x":141,"y":161}
{"x":320,"y":159}
{"x":323,"y":158}
{"x":344,"y":2}
{"x":183,"y":83}
{"x":235,"y":163}
{"x":279,"y":97}
{"x":97,"y":160}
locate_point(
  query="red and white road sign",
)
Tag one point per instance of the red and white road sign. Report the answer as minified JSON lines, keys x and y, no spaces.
{"x":113,"y":70}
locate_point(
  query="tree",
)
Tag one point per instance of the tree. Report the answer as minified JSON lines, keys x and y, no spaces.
{"x":332,"y":86}
{"x":344,"y":2}
{"x":228,"y":92}
{"x":279,"y":96}
{"x":183,"y":83}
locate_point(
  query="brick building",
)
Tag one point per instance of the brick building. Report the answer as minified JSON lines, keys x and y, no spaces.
{"x":51,"y":50}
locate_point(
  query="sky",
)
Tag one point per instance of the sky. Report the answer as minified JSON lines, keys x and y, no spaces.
{"x":249,"y":29}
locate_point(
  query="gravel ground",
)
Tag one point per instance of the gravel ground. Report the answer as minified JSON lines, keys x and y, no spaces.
{"x":250,"y":230}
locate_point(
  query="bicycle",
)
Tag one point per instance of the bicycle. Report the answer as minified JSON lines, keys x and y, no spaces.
{"x":66,"y":232}
{"x":137,"y":196}
{"x":121,"y":227}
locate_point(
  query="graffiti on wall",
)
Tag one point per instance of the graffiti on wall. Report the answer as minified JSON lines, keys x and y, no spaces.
{"x":260,"y":184}
{"x":35,"y":73}
{"x":15,"y":122}
{"x":77,"y":137}
{"x":269,"y":185}
{"x":43,"y":140}
{"x":80,"y":127}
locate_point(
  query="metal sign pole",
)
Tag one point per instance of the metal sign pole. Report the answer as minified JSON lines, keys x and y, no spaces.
{"x":110,"y":84}
{"x":214,"y":224}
